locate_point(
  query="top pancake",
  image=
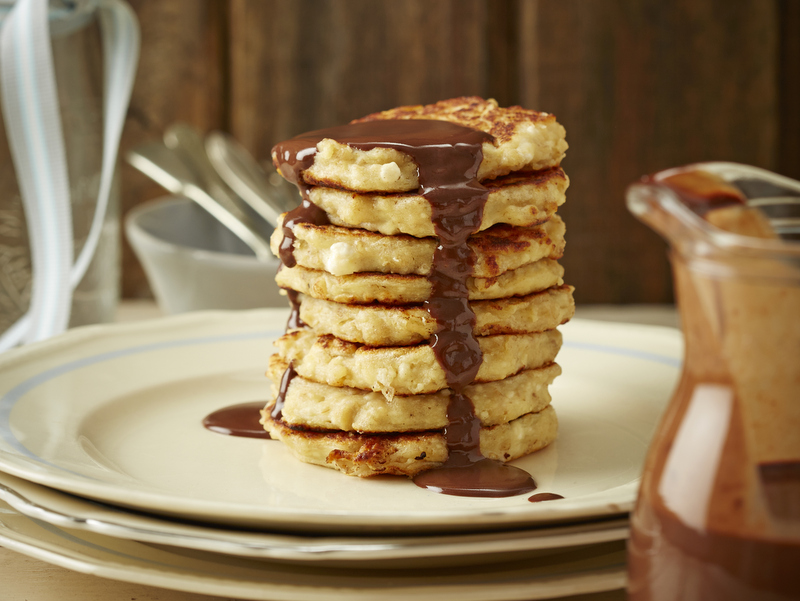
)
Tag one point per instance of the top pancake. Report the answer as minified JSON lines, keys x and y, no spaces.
{"x":523,"y":139}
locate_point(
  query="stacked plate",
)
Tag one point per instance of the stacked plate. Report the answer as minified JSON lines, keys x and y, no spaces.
{"x":105,"y":467}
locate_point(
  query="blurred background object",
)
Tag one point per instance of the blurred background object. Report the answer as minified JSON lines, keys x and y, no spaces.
{"x":187,"y":174}
{"x":640,"y":85}
{"x":193,"y":262}
{"x":67,"y":71}
{"x":77,"y":64}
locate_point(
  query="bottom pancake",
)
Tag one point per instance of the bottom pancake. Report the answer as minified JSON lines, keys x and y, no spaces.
{"x":408,"y":454}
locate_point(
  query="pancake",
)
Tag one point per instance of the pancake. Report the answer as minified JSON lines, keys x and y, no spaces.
{"x":317,"y":406}
{"x":522,"y":199}
{"x":400,"y":289}
{"x":342,"y":251}
{"x":523,"y":140}
{"x":407,"y":370}
{"x":399,"y":325}
{"x":407,"y":454}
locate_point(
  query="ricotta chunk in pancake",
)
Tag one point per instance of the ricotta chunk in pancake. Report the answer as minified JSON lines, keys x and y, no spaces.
{"x":401,"y":325}
{"x":407,"y":369}
{"x":400,"y":289}
{"x":523,"y":140}
{"x":521,"y":199}
{"x":409,"y":453}
{"x":342,"y":251}
{"x":317,"y":406}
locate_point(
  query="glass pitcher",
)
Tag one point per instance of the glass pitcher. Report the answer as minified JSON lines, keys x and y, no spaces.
{"x":59,"y":227}
{"x":718,"y":514}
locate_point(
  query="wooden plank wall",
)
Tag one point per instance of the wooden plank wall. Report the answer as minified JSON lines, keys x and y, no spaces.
{"x":640,"y":85}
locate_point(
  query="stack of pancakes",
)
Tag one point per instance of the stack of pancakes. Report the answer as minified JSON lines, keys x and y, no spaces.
{"x":358,"y":384}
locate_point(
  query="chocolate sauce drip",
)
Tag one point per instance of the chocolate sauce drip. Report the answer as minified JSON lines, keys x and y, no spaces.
{"x":463,"y":431}
{"x":237,"y":420}
{"x":294,"y":157}
{"x":294,"y":322}
{"x":544,"y":496}
{"x":305,"y":212}
{"x":287,"y":378}
{"x":447,"y":157}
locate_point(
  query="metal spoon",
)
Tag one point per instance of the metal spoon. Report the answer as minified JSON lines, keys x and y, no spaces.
{"x":170,"y":170}
{"x":245,"y":177}
{"x":188,"y":142}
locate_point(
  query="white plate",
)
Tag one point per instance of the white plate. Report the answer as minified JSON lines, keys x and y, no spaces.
{"x":68,"y":511}
{"x":114,"y":413}
{"x":591,"y":569}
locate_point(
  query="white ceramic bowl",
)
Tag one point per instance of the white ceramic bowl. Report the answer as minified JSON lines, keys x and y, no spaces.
{"x":194,"y":263}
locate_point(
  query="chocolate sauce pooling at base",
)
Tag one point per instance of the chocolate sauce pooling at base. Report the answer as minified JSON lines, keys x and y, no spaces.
{"x":238,"y":420}
{"x":447,"y":157}
{"x":482,"y":478}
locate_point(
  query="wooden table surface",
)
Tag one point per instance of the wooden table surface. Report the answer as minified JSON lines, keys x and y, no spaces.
{"x":26,"y":579}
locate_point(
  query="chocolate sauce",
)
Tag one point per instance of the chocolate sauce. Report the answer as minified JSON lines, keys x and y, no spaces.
{"x":481,"y":478}
{"x":544,"y":496}
{"x":237,"y":420}
{"x":467,"y":473}
{"x":305,"y":212}
{"x":731,"y":529}
{"x":447,"y":157}
{"x":286,"y":379}
{"x":732,"y":556}
{"x":463,"y":431}
{"x":689,"y":564}
{"x":294,"y":322}
{"x":702,"y":191}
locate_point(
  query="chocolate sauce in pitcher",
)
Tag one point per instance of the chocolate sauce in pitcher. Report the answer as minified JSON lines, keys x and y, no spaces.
{"x":718,"y":513}
{"x":447,"y":157}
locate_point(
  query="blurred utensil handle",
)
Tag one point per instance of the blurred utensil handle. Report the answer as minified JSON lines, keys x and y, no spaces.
{"x":166,"y":167}
{"x":241,"y":172}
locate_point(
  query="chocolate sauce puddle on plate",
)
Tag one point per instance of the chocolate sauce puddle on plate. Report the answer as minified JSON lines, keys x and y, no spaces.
{"x":482,"y":478}
{"x":447,"y":157}
{"x":238,"y":420}
{"x":544,"y":496}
